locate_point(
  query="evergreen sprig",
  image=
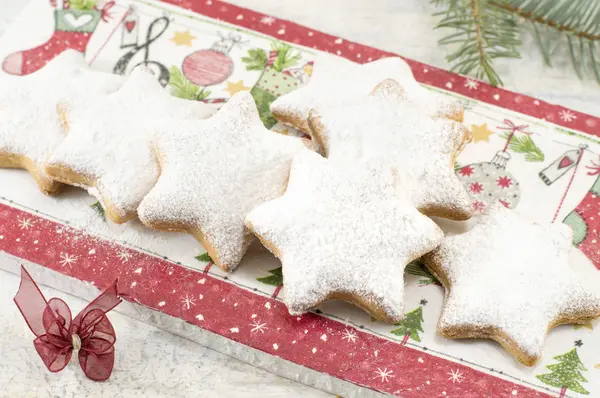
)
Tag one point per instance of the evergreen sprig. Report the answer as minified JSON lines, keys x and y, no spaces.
{"x":487,"y":29}
{"x":183,"y":88}
{"x":286,"y":57}
{"x":83,"y":4}
{"x":204,"y":257}
{"x":525,"y":145}
{"x":97,"y":206}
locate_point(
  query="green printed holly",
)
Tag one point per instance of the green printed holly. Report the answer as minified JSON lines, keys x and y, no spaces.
{"x":275,"y":279}
{"x":82,"y":4}
{"x":276,"y":79}
{"x":566,"y":374}
{"x":204,"y":257}
{"x":411,"y":325}
{"x":183,"y":88}
{"x":418,"y":268}
{"x":97,"y":206}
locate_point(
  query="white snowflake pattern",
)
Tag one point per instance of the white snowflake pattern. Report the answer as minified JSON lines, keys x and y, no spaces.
{"x":25,"y":223}
{"x":66,"y":259}
{"x":349,"y":335}
{"x":455,"y":376}
{"x":258,"y":327}
{"x":267,"y":20}
{"x":471,"y":84}
{"x":123,"y":256}
{"x":188,"y":301}
{"x":566,"y":115}
{"x":384,"y":374}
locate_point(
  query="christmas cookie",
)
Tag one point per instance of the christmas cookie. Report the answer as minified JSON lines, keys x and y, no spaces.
{"x":509,"y":279}
{"x":343,"y":232}
{"x":336,"y":79}
{"x":29,"y":125}
{"x":422,"y":148}
{"x":213,"y":173}
{"x":108,"y":147}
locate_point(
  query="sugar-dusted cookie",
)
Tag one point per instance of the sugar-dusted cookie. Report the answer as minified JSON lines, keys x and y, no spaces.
{"x":343,"y":232}
{"x":422,"y":148}
{"x":107,"y":149}
{"x":29,"y":125}
{"x":509,"y":279}
{"x":335,"y":79}
{"x":213,"y":173}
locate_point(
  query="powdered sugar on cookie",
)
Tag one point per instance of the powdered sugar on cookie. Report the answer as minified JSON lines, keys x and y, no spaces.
{"x":337,"y":79}
{"x":108,"y":145}
{"x":420,"y":147}
{"x":29,"y":126}
{"x":509,"y":279}
{"x":343,"y":232}
{"x":214,"y":172}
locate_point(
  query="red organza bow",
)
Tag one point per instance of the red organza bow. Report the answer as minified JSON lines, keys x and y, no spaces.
{"x":57,"y":335}
{"x":105,"y":14}
{"x":510,"y":126}
{"x":595,"y":169}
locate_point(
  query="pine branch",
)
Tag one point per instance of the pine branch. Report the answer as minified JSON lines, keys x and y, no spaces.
{"x":97,"y":206}
{"x":285,"y":56}
{"x":482,"y":32}
{"x":256,"y":59}
{"x":525,"y":145}
{"x":83,"y":4}
{"x":183,"y":88}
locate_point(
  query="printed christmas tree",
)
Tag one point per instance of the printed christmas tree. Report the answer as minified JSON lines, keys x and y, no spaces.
{"x":566,"y":374}
{"x":275,"y":279}
{"x":411,"y":325}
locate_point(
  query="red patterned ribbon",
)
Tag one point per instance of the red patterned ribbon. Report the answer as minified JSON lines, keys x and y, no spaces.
{"x":90,"y":333}
{"x":510,"y":126}
{"x":105,"y":10}
{"x":595,"y":169}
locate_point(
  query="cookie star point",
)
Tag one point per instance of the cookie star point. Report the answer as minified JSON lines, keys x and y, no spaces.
{"x":360,"y":235}
{"x":509,"y":279}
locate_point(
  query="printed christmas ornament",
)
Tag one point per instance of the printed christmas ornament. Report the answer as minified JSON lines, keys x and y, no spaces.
{"x":74,"y":22}
{"x":560,"y":166}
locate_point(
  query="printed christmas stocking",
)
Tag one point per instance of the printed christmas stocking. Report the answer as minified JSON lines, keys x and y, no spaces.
{"x":74,"y":22}
{"x":585,"y":221}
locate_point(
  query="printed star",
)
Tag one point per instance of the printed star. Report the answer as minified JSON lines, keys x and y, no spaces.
{"x":504,"y":182}
{"x":478,"y":206}
{"x":25,"y":223}
{"x":397,"y":133}
{"x":113,"y":154}
{"x":481,"y":133}
{"x":384,"y":374}
{"x":476,"y":187}
{"x":30,"y":128}
{"x":334,"y":75}
{"x":188,"y":301}
{"x":267,"y":20}
{"x":528,"y":273}
{"x":255,"y":170}
{"x":234,"y":88}
{"x":455,"y":376}
{"x":466,"y":171}
{"x":578,"y":343}
{"x":66,"y":259}
{"x":183,"y":38}
{"x":322,"y":201}
{"x":471,"y":84}
{"x":258,"y":327}
{"x":587,"y":325}
{"x":349,"y":335}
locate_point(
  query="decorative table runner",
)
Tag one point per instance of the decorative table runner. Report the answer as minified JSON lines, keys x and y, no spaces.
{"x":540,"y":158}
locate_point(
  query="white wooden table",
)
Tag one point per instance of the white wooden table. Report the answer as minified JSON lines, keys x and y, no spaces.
{"x":403,"y":27}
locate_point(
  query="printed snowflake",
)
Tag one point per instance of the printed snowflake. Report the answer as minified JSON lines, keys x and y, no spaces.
{"x":349,"y":335}
{"x":504,"y":182}
{"x":478,"y":206}
{"x":267,"y":20}
{"x":66,"y":259}
{"x":258,"y":327}
{"x":466,"y":171}
{"x":25,"y":223}
{"x":476,"y":187}
{"x":455,"y":376}
{"x":566,"y":115}
{"x":188,"y":302}
{"x":123,"y":256}
{"x":471,"y":84}
{"x":384,"y":374}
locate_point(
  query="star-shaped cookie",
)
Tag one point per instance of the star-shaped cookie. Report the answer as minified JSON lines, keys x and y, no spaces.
{"x":422,"y":148}
{"x":107,"y":149}
{"x":335,"y":79}
{"x":343,"y":232}
{"x":213,"y":173}
{"x":509,"y":279}
{"x":29,"y":126}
